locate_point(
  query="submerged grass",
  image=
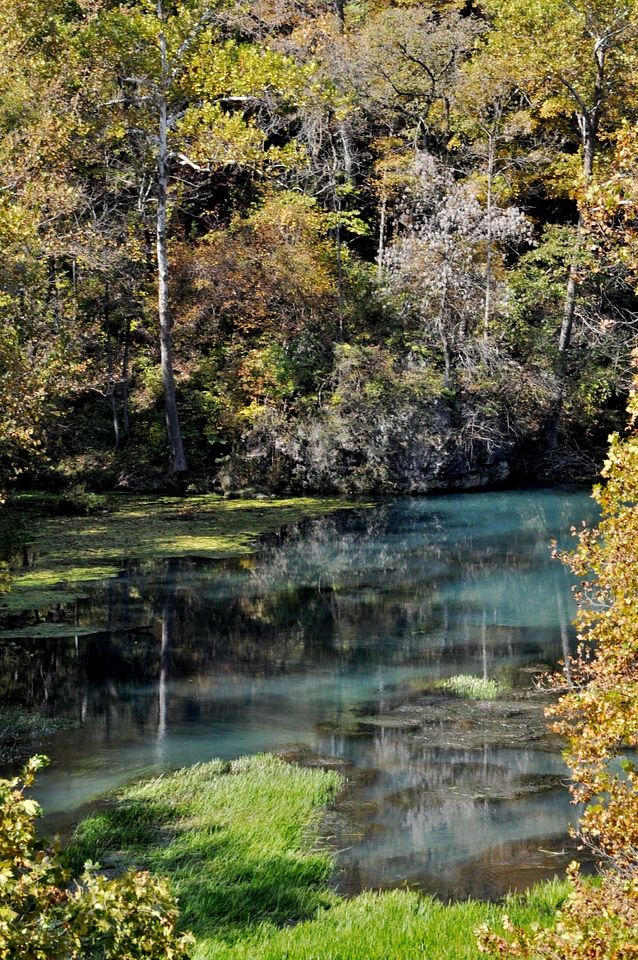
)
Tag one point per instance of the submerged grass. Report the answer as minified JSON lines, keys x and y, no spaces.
{"x":58,"y":553}
{"x":21,"y":732}
{"x":238,"y":842}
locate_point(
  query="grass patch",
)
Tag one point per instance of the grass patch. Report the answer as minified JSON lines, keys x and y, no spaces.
{"x":472,"y":688}
{"x":62,"y":552}
{"x":397,"y":925}
{"x":237,"y":841}
{"x":233,"y":838}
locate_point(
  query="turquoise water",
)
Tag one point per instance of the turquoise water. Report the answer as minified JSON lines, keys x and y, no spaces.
{"x":333,"y":620}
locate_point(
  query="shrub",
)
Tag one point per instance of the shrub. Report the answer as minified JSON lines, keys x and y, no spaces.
{"x":44,"y":916}
{"x":597,"y":922}
{"x":599,"y":708}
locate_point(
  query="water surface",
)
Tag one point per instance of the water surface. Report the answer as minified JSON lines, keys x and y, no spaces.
{"x":328,"y":643}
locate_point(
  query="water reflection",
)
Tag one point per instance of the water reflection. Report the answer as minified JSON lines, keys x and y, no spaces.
{"x":431,"y":809}
{"x":328,"y":643}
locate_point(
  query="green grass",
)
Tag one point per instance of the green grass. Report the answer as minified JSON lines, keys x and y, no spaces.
{"x":235,"y":840}
{"x":65,"y":552}
{"x":397,"y":925}
{"x":239,"y":844}
{"x":474,"y":688}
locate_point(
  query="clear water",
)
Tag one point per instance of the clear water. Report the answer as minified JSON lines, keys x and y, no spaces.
{"x":335,"y":619}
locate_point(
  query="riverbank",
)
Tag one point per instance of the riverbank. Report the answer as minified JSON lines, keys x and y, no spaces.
{"x":52,"y":555}
{"x":239,"y":842}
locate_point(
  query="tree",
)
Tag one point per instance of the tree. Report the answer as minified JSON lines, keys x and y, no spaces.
{"x":437,"y":265}
{"x":400,"y":71}
{"x":403,"y":68}
{"x":184,"y":96}
{"x":574,"y":60}
{"x":392,"y":174}
{"x":610,"y":211}
{"x":599,"y":712}
{"x":42,"y":356}
{"x":490,"y":119}
{"x":259,"y":313}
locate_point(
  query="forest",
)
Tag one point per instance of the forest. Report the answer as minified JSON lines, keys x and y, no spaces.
{"x":286,"y":246}
{"x":255,"y":247}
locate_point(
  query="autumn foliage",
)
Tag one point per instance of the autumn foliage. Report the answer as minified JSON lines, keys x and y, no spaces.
{"x":611,"y":208}
{"x":595,"y":923}
{"x":44,"y":916}
{"x":599,"y":713}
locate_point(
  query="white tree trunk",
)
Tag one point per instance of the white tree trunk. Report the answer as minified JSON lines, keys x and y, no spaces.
{"x":178,"y":458}
{"x":588,"y":122}
{"x":488,"y":258}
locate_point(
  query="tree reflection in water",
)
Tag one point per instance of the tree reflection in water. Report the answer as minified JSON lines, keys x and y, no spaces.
{"x":342,"y":618}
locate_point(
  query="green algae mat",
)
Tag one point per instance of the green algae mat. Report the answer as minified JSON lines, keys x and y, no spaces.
{"x":61,"y":553}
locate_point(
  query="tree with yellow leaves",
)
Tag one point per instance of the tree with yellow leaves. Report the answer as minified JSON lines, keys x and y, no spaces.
{"x":575,"y":60}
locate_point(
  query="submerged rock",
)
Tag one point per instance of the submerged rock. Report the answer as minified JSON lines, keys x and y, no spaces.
{"x":514,"y":719}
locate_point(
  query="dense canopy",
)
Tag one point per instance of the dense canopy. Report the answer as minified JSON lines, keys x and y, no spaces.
{"x":278,"y":244}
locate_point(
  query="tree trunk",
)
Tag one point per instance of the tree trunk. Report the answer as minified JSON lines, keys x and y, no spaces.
{"x":111,"y":374}
{"x":178,"y":457}
{"x":560,"y":369}
{"x":447,"y":356}
{"x":488,"y":258}
{"x":340,"y":276}
{"x":588,"y":122}
{"x":381,"y":247}
{"x":445,"y":342}
{"x":125,"y":359}
{"x":53,"y":299}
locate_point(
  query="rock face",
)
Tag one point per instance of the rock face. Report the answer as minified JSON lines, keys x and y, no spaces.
{"x":387,"y":445}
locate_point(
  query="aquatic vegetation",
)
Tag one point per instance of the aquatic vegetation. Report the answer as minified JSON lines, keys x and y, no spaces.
{"x":22,"y":730}
{"x":474,"y":688}
{"x":78,"y":500}
{"x":66,"y":551}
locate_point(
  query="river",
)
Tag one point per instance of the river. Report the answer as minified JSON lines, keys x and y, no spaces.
{"x":327,"y":645}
